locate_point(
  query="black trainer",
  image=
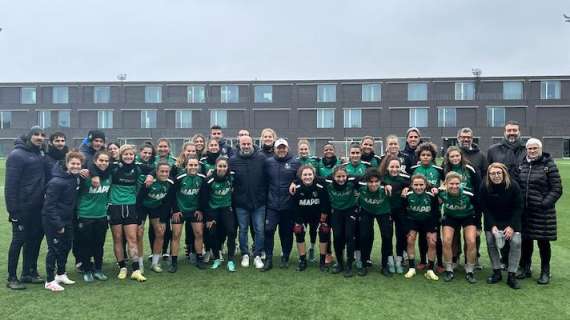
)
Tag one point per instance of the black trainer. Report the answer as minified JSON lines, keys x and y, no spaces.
{"x":34,"y":279}
{"x":385,"y":272}
{"x":495,"y":277}
{"x":173,"y":268}
{"x":544,"y":277}
{"x":512,"y":281}
{"x":15,"y":284}
{"x":338,"y":268}
{"x":324,"y":267}
{"x":470,"y":277}
{"x":524,"y":272}
{"x":302,"y":265}
{"x":284,"y":264}
{"x":448,"y":276}
{"x":268,"y":265}
{"x":348,"y":271}
{"x":362,"y":271}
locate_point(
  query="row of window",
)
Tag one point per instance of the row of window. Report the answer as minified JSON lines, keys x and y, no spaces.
{"x":372,"y":92}
{"x":418,"y":117}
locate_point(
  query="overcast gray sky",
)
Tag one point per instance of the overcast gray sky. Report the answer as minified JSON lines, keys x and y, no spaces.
{"x":92,"y":40}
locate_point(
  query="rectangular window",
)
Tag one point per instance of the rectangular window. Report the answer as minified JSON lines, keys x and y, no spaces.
{"x":512,"y":90}
{"x":353,"y":118}
{"x":28,"y":95}
{"x":325,"y":118}
{"x":153,"y":94}
{"x":464,"y":91}
{"x":496,"y":117}
{"x":447,"y":117}
{"x":64,"y":119}
{"x":196,"y":94}
{"x":326,"y":93}
{"x":263,"y":94}
{"x":371,"y":92}
{"x":550,"y":89}
{"x":101,"y":94}
{"x":419,"y":117}
{"x":183,"y":119}
{"x":148,"y":119}
{"x":219,"y":117}
{"x":44,"y":119}
{"x":5,"y":119}
{"x":105,"y":119}
{"x":417,"y":91}
{"x":60,"y":95}
{"x":229,"y":94}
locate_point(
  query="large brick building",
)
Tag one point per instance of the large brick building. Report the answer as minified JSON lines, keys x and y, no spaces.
{"x":321,"y":111}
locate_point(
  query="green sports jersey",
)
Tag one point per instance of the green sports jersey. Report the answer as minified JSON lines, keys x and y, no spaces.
{"x":325,"y":170}
{"x":377,"y":203}
{"x":356,"y":170}
{"x":155,"y":195}
{"x":433,"y":173}
{"x":398,"y":183}
{"x":421,"y":207}
{"x":219,"y":192}
{"x":207,"y":167}
{"x":93,"y":202}
{"x":456,"y":206}
{"x":187,"y":195}
{"x":168,"y":158}
{"x":124,"y":185}
{"x":466,"y":182}
{"x":310,"y":161}
{"x":344,"y":197}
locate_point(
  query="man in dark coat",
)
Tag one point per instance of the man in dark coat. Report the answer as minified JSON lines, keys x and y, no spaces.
{"x":250,"y":197}
{"x":95,"y":142}
{"x":24,"y":194}
{"x":279,"y":170}
{"x":216,"y":133}
{"x":471,"y":150}
{"x":541,"y":188}
{"x":510,"y":151}
{"x":413,"y":139}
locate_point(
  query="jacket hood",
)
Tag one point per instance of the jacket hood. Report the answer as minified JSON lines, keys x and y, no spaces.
{"x":25,"y":144}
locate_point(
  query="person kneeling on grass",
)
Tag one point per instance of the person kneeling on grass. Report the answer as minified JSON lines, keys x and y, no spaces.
{"x":157,"y":200}
{"x":57,"y":213}
{"x":312,"y":207}
{"x":422,"y":216}
{"x":459,"y":210}
{"x":501,"y":200}
{"x":216,"y":202}
{"x":186,"y":210}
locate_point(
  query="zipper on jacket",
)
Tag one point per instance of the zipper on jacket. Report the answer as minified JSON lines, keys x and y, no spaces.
{"x":527,"y":183}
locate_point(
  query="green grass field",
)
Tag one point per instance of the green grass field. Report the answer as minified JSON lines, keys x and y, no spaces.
{"x":287,"y":294}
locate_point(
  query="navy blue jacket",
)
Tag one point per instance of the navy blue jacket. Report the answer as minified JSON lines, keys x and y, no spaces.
{"x":250,"y":184}
{"x":54,"y":157}
{"x":280,"y":172}
{"x":226,"y":149}
{"x":60,"y":199}
{"x":25,"y":180}
{"x":88,"y":152}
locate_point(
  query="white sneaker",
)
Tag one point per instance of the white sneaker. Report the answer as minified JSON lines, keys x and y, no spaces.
{"x":411,"y":273}
{"x":245,"y":261}
{"x":63,"y":279}
{"x":207,"y":256}
{"x":258,"y":262}
{"x":53,"y":286}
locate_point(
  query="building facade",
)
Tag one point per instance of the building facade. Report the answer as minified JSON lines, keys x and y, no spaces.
{"x":320,"y":111}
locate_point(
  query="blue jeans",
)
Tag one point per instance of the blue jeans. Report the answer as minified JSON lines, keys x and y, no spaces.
{"x":257,"y":217}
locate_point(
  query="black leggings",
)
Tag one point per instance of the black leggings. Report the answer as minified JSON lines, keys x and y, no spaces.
{"x":189,"y":238}
{"x":401,"y":232}
{"x":366,"y":227}
{"x":343,"y":224}
{"x":543,"y":248}
{"x":59,"y":245}
{"x":91,"y":235}
{"x":224,"y":227}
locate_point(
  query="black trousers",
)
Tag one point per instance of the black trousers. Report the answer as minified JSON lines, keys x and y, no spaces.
{"x":91,"y":235}
{"x":401,"y":232}
{"x":283,"y":219}
{"x":59,"y":245}
{"x":366,"y":226}
{"x":544,"y":250}
{"x":27,"y":234}
{"x":189,"y":238}
{"x":223,"y":228}
{"x":344,"y":225}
